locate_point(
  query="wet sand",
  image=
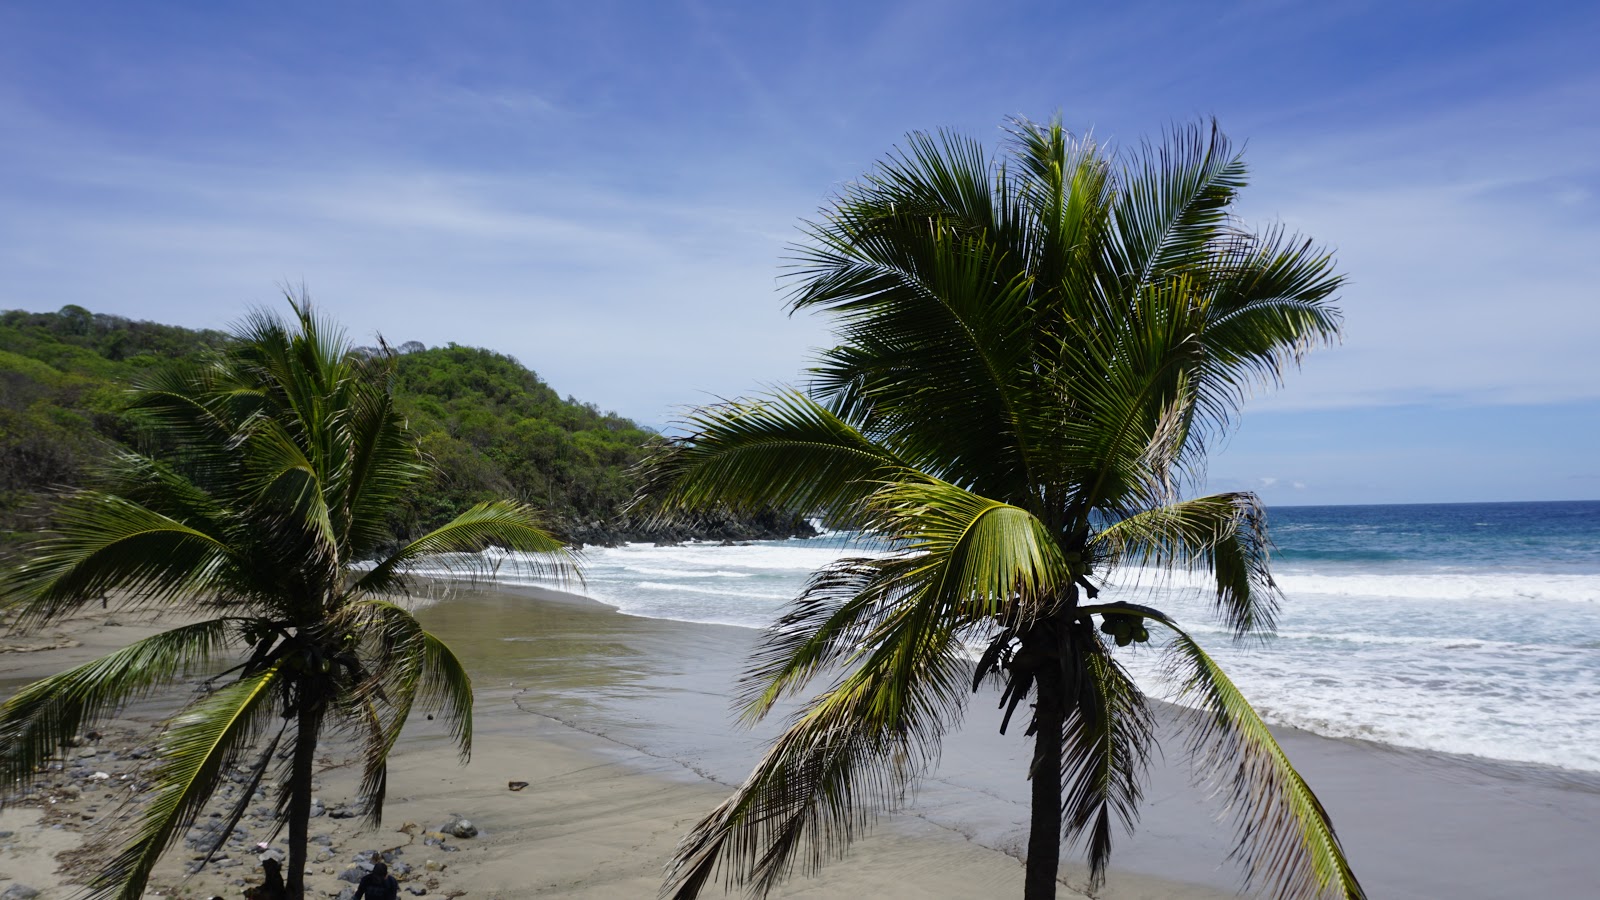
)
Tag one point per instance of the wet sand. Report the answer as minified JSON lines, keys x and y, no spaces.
{"x":620,"y":726}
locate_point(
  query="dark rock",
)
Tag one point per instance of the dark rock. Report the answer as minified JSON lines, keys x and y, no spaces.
{"x":19,"y":892}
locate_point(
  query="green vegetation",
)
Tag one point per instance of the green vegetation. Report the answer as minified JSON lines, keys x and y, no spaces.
{"x":1033,"y":352}
{"x":496,"y":430}
{"x":491,"y":426}
{"x":290,"y":458}
{"x":62,"y":396}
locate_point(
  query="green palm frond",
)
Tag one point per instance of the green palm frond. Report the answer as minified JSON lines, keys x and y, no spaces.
{"x":264,"y":757}
{"x":383,"y":464}
{"x":1270,"y":301}
{"x":981,"y":557}
{"x":847,"y":755}
{"x":1064,"y":190}
{"x":1223,"y":534}
{"x":842,"y":606}
{"x":1286,"y":839}
{"x":201,"y":742}
{"x":785,"y":451}
{"x":410,"y":664}
{"x":106,"y":543}
{"x":42,"y":717}
{"x":1173,"y":202}
{"x":1132,"y":380}
{"x":161,"y":488}
{"x":455,"y":545}
{"x":917,"y":285}
{"x":1108,"y":734}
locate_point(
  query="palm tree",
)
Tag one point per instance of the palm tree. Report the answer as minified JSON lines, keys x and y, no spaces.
{"x":289,"y":458}
{"x":1032,"y":352}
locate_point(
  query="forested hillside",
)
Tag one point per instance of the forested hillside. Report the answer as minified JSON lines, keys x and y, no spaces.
{"x":497,"y":430}
{"x":494,"y":428}
{"x":61,"y":396}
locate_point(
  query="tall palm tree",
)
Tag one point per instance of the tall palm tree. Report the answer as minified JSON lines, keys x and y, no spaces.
{"x":289,"y":458}
{"x":1032,"y":351}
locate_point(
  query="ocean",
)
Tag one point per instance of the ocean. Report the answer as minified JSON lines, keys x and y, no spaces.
{"x":1460,"y":628}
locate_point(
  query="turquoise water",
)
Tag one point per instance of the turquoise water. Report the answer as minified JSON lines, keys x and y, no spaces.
{"x":1464,"y":628}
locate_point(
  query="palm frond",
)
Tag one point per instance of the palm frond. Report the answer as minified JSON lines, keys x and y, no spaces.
{"x":850,"y":753}
{"x":1064,"y":190}
{"x":1267,"y":299}
{"x":1172,"y":203}
{"x":1286,"y":840}
{"x":783,"y":451}
{"x":201,"y":742}
{"x":383,"y":464}
{"x":982,"y":557}
{"x":42,"y":717}
{"x":1223,"y":534}
{"x":410,"y":663}
{"x":456,"y":544}
{"x":106,"y":543}
{"x":841,"y":607}
{"x":287,"y":490}
{"x":1107,"y":737}
{"x":1132,"y":382}
{"x":920,"y":288}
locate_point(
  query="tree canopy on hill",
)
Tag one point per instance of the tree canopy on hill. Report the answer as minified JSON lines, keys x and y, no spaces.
{"x":494,"y":428}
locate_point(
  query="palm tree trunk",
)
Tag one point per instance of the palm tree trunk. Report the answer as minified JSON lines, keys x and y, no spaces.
{"x":1044,"y":829}
{"x":308,"y":727}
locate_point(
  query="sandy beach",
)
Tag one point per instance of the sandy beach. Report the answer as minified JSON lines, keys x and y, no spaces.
{"x":620,"y":727}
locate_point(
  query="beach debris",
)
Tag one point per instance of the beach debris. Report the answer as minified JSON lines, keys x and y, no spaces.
{"x":516,"y":785}
{"x":459,"y":826}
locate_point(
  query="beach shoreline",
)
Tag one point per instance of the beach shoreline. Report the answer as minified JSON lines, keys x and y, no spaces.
{"x":620,"y":726}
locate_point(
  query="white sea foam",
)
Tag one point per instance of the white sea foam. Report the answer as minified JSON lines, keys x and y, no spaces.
{"x":1495,"y":663}
{"x":1398,"y":585}
{"x":713,"y":592}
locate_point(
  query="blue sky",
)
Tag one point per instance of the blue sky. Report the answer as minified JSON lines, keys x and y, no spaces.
{"x":605,"y":190}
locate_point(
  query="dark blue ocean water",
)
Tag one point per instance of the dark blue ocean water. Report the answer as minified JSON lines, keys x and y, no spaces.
{"x":1530,"y":537}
